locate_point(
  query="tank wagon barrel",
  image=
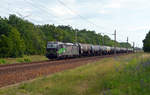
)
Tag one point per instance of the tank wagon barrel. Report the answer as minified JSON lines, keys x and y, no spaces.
{"x":96,"y":50}
{"x":85,"y":49}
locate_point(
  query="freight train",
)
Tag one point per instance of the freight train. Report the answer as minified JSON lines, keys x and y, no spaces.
{"x":68,"y":50}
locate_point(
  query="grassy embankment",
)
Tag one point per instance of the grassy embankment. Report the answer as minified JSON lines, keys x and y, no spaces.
{"x":33,"y":58}
{"x":124,"y":75}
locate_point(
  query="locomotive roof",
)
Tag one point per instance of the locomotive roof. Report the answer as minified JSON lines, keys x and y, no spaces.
{"x":53,"y":42}
{"x":69,"y":43}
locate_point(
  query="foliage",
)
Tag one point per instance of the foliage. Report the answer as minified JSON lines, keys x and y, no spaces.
{"x":146,"y":43}
{"x":27,"y":60}
{"x":11,"y":43}
{"x":32,"y":36}
{"x":123,"y":44}
{"x":2,"y":61}
{"x":20,"y":37}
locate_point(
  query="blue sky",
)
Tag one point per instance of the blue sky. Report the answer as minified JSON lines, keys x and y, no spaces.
{"x":129,"y":17}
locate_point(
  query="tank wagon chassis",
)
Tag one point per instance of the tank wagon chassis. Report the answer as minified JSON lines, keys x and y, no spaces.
{"x":57,"y":50}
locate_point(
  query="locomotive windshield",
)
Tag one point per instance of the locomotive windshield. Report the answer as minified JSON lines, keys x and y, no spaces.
{"x":52,"y":45}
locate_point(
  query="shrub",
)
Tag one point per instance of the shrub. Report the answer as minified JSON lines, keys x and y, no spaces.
{"x":27,"y":60}
{"x":20,"y":60}
{"x":2,"y":61}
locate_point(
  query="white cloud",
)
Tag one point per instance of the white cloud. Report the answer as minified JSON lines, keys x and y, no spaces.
{"x":103,"y":11}
{"x":69,"y":1}
{"x":113,"y":5}
{"x":61,"y":11}
{"x":110,"y":6}
{"x":137,"y":28}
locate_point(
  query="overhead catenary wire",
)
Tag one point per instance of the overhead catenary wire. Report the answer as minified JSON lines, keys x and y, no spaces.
{"x":39,"y":7}
{"x":49,"y":14}
{"x":82,"y":17}
{"x":21,"y":15}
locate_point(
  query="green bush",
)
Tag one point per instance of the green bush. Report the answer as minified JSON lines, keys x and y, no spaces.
{"x":2,"y":61}
{"x":20,"y":60}
{"x":27,"y":60}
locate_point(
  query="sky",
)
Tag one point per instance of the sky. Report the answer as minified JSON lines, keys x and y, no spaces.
{"x":130,"y":18}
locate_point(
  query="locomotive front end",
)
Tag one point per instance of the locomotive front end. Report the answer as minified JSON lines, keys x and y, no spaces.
{"x":51,"y":50}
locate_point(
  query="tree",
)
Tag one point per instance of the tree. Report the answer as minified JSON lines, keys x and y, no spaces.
{"x":5,"y":43}
{"x":125,"y":45}
{"x":12,"y":45}
{"x":33,"y":37}
{"x":146,"y":43}
{"x":18,"y":45}
{"x":6,"y":46}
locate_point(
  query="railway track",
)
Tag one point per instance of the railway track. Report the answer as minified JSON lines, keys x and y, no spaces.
{"x":14,"y":73}
{"x":50,"y":62}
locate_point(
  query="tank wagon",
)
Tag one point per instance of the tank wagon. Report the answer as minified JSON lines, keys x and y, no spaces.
{"x":67,"y":50}
{"x":96,"y":50}
{"x":85,"y":49}
{"x":105,"y":50}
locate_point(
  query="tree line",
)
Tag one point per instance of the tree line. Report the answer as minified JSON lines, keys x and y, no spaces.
{"x":146,"y":43}
{"x":20,"y":37}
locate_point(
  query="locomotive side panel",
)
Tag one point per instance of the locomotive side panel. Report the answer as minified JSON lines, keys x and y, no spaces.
{"x":69,"y":50}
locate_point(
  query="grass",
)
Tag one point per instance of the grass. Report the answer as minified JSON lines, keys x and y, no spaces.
{"x":33,"y":58}
{"x":124,"y":75}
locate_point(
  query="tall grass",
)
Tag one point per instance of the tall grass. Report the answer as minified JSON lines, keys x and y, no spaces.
{"x":26,"y":59}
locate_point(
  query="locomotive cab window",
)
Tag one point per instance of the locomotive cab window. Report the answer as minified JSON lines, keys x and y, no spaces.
{"x":51,"y":45}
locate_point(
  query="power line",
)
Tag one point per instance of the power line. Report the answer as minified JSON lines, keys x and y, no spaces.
{"x":30,"y":3}
{"x":19,"y":13}
{"x":82,"y":17}
{"x":41,"y":7}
